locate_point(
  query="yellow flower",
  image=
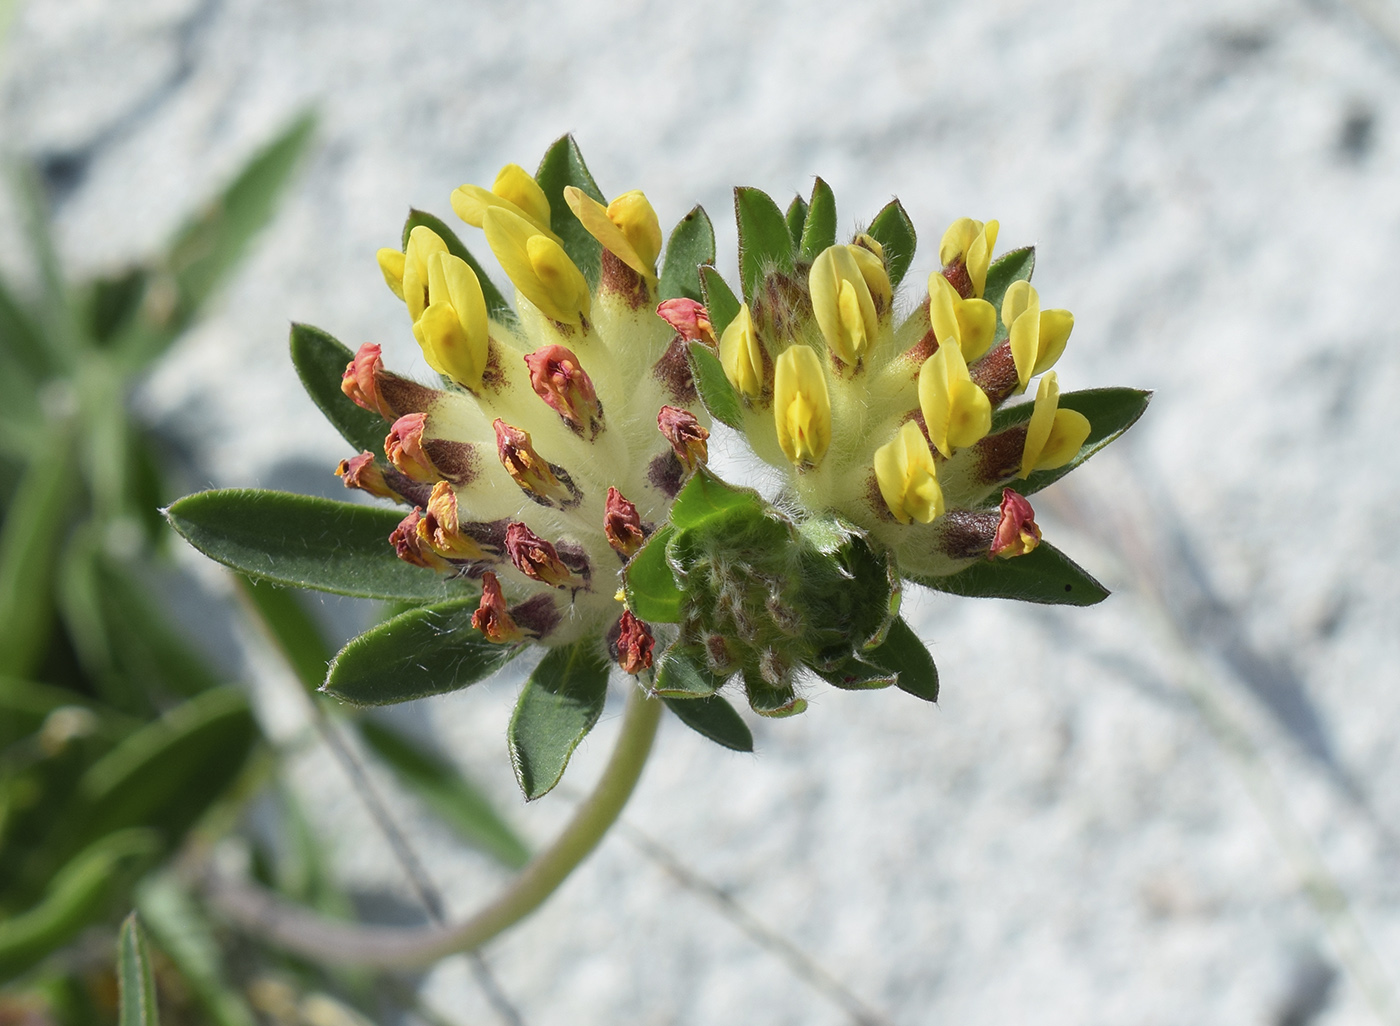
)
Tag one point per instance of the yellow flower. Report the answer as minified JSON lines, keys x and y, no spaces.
{"x":801,"y":406}
{"x":842,"y":301}
{"x":970,"y":243}
{"x":908,"y":481}
{"x":1053,"y":436}
{"x":1038,"y":337}
{"x":741,"y":355}
{"x":627,"y":227}
{"x":537,"y":266}
{"x":956,"y":412}
{"x":972,"y":323}
{"x":453,"y":331}
{"x":513,"y":191}
{"x":423,"y":242}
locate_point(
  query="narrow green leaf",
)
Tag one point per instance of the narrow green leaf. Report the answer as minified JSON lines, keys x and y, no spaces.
{"x":447,"y":792}
{"x":692,"y":243}
{"x":715,"y":718}
{"x":763,"y":237}
{"x":307,"y":542}
{"x":680,"y":675}
{"x":716,"y":392}
{"x":54,"y":309}
{"x":855,"y":674}
{"x":428,"y":651}
{"x":320,"y":362}
{"x":720,"y":302}
{"x":559,"y":705}
{"x":291,"y":628}
{"x":1016,"y":265}
{"x":820,"y":230}
{"x":563,"y":165}
{"x":1044,"y":575}
{"x":893,"y":230}
{"x":705,"y":496}
{"x":22,"y":336}
{"x":648,"y":583}
{"x":79,"y":892}
{"x":1111,"y":411}
{"x":136,"y":980}
{"x":796,"y":218}
{"x":905,"y":655}
{"x":496,"y":305}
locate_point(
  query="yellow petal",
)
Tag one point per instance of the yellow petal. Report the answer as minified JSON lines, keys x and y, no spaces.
{"x":943,"y":308}
{"x":801,"y":405}
{"x":907,"y":477}
{"x":514,"y":185}
{"x":594,"y":218}
{"x":956,"y":412}
{"x":957,"y":240}
{"x":452,"y":281}
{"x":871,"y":262}
{"x":1023,"y":328}
{"x":979,"y":257}
{"x":423,"y":242}
{"x":537,"y":266}
{"x":1055,"y":326}
{"x":834,"y":268}
{"x":977,"y":324}
{"x":1042,"y":422}
{"x":634,"y":215}
{"x":1067,"y":436}
{"x":471,"y":202}
{"x":741,"y":356}
{"x":391,"y":263}
{"x":440,"y":336}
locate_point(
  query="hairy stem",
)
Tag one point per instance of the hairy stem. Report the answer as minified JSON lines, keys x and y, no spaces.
{"x":301,"y":931}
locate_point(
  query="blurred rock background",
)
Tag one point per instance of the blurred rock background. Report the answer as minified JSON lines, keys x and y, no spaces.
{"x":1180,"y":806}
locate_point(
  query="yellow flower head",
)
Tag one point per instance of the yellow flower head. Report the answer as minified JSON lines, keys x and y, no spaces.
{"x":970,"y":243}
{"x":627,"y":227}
{"x":956,"y":412}
{"x":908,"y":481}
{"x":801,"y":406}
{"x":1038,"y":337}
{"x":537,"y":266}
{"x":453,"y":331}
{"x":1053,"y":436}
{"x":741,"y":355}
{"x":972,"y":323}
{"x":842,"y":301}
{"x":513,"y":191}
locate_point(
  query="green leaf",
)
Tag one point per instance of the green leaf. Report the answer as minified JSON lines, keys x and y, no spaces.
{"x":893,"y":230}
{"x":680,"y":675}
{"x":705,"y":496}
{"x":563,"y":165}
{"x":648,"y":583}
{"x":905,"y":655}
{"x":112,"y":303}
{"x":715,"y":718}
{"x":1044,"y":575}
{"x":211,"y":245}
{"x":79,"y":893}
{"x":54,"y":309}
{"x":291,"y":628}
{"x":428,"y":651}
{"x":820,"y":230}
{"x":855,"y":674}
{"x":716,"y":392}
{"x":692,"y":243}
{"x":796,"y":218}
{"x":764,"y":243}
{"x":720,"y":302}
{"x":167,"y":773}
{"x":559,"y":705}
{"x":773,"y":702}
{"x":320,"y":362}
{"x":496,"y":306}
{"x":447,"y":792}
{"x":1016,"y":265}
{"x":22,"y":336}
{"x":1111,"y":411}
{"x":136,"y":980}
{"x":307,"y":542}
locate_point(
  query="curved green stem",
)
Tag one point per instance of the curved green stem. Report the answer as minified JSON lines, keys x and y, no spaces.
{"x":306,"y":933}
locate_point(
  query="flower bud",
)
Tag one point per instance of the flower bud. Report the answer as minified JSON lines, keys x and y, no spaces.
{"x":514,"y":191}
{"x":1037,"y":337}
{"x":409,"y":545}
{"x":544,"y":482}
{"x":627,"y":227}
{"x":842,"y":303}
{"x":361,"y":380}
{"x":1017,"y":531}
{"x":741,"y":355}
{"x":956,"y":412}
{"x":363,"y":472}
{"x":404,"y":447}
{"x":690,"y":319}
{"x":634,"y":644}
{"x":622,"y":525}
{"x":537,"y":559}
{"x":801,"y":406}
{"x":686,"y":435}
{"x":1053,"y":436}
{"x":966,"y":251}
{"x":559,"y":379}
{"x":441,"y":529}
{"x":491,"y":617}
{"x":972,"y":323}
{"x":538,"y":266}
{"x":907,"y":477}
